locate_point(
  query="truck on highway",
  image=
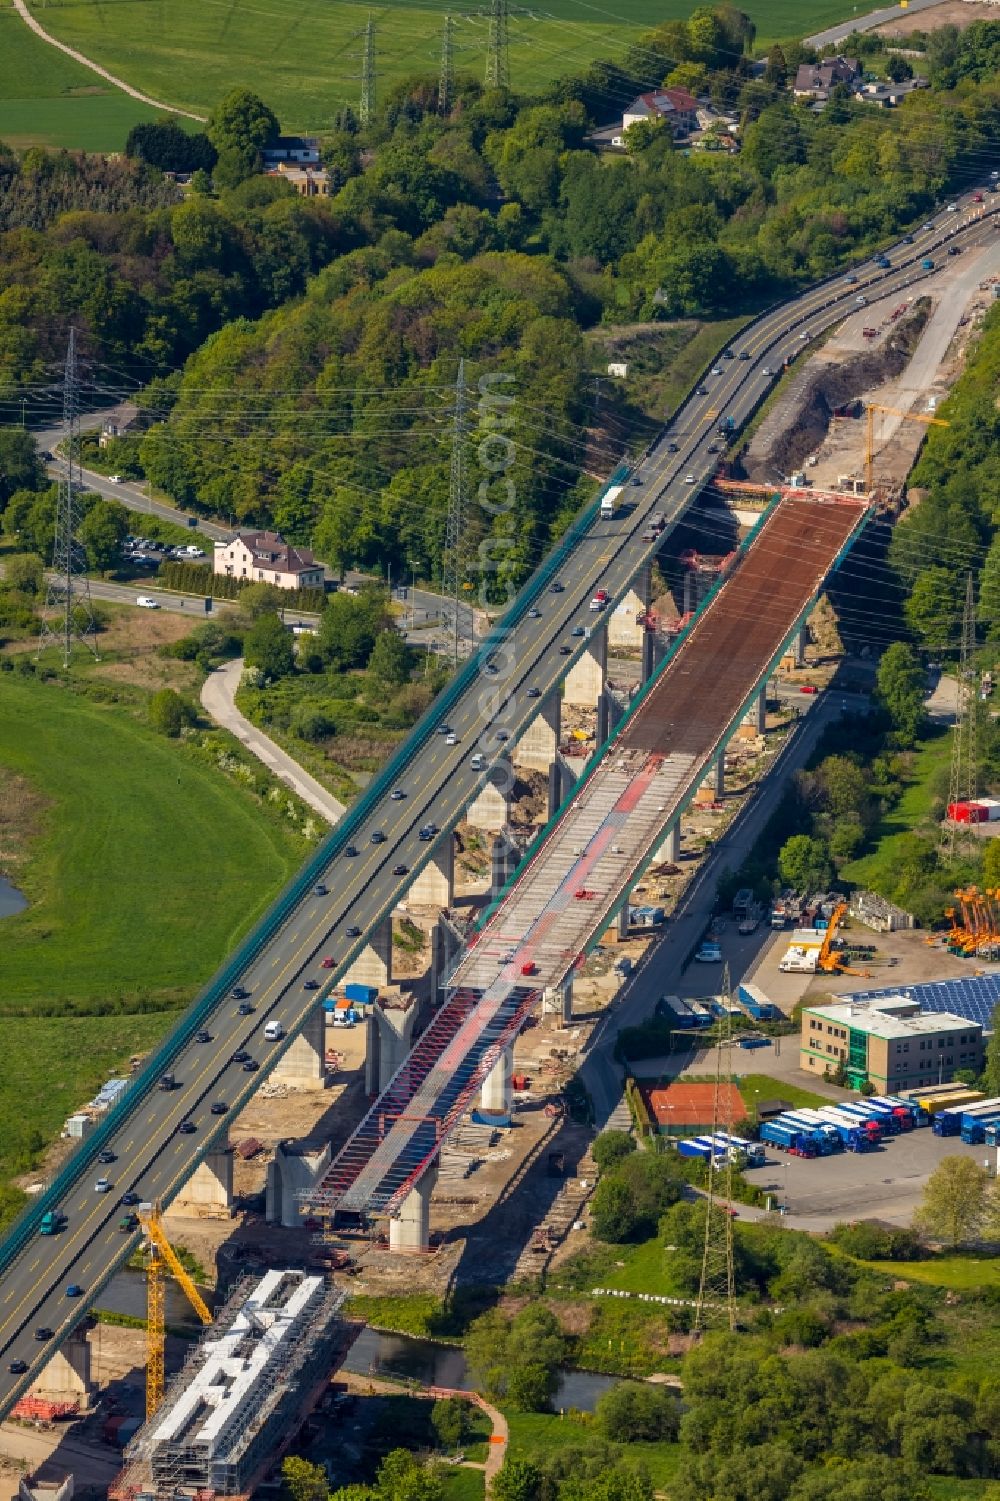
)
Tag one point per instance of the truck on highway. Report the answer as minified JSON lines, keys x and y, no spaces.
{"x":927,"y":264}
{"x":52,"y":1222}
{"x":610,"y":500}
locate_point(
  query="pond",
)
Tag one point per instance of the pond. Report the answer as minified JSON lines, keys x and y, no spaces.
{"x":11,"y":900}
{"x":423,"y":1360}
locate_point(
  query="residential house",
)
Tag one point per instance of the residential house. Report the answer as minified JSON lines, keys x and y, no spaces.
{"x":266,"y":558}
{"x":888,"y":95}
{"x":307,"y":182}
{"x":676,"y":106}
{"x":125,"y":419}
{"x":818,"y":80}
{"x":298,"y":151}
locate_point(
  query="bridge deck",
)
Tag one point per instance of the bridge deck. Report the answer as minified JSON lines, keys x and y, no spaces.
{"x":592,"y":853}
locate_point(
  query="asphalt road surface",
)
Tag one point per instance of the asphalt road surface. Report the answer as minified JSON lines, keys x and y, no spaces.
{"x":438,"y":781}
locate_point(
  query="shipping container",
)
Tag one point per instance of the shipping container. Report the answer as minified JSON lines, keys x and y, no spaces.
{"x":756,"y":1004}
{"x":363,"y":995}
{"x":933,"y":1104}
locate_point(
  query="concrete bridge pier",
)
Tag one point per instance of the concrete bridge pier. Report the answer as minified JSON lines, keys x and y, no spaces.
{"x":435,"y":885}
{"x":67,"y":1376}
{"x":554,"y":799}
{"x":585,"y":679}
{"x":603,"y":717}
{"x":373,"y":966}
{"x":497,"y":1093}
{"x":490,"y":809}
{"x":648,"y":655}
{"x":291,"y":1173}
{"x":801,"y":642}
{"x":208,"y":1193}
{"x":670,"y":849}
{"x":389,"y":1039}
{"x":303,"y":1065}
{"x":714,"y":785}
{"x":755,"y":719}
{"x":409,"y":1231}
{"x":539,"y":745}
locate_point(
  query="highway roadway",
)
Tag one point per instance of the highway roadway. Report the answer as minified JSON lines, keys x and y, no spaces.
{"x":437,"y":782}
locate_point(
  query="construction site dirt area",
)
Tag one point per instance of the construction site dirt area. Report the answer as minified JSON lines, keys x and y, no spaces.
{"x":960,"y":13}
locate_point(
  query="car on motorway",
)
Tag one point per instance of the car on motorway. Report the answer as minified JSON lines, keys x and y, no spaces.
{"x":397,"y":794}
{"x":241,"y":1055}
{"x":928,"y":225}
{"x":74,"y":1290}
{"x":861,"y":299}
{"x":906,"y":240}
{"x":146,"y":602}
{"x":534,"y":614}
{"x":689,"y":479}
{"x":378,"y":837}
{"x":702,"y":390}
{"x":43,"y":1332}
{"x":803,"y":336}
{"x":320,"y":890}
{"x":314,"y":984}
{"x":444,"y":729}
{"x":767,"y":370}
{"x":744,"y":354}
{"x":239,"y":993}
{"x":128,"y":1223}
{"x":18,"y":1367}
{"x":851,"y":280}
{"x":565,"y":651}
{"x":351,"y":851}
{"x":102,"y":1186}
{"x":187,"y":1128}
{"x":244,"y":1009}
{"x":328,"y":962}
{"x":428,"y":831}
{"x":578,"y":630}
{"x":203,"y":1037}
{"x":716,"y":369}
{"x":671,"y":447}
{"x":219,"y":1107}
{"x":953,"y":208}
{"x":105,"y":1157}
{"x":130,"y":1198}
{"x":476,"y":761}
{"x":354,"y":931}
{"x":491,"y":668}
{"x":451,"y":739}
{"x":251,"y":1066}
{"x":399,"y":870}
{"x":502,"y":735}
{"x":556,"y":588}
{"x":115,"y":479}
{"x":533,"y":693}
{"x":713,"y":448}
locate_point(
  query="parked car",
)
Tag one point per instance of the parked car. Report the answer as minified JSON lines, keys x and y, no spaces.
{"x":146,"y":602}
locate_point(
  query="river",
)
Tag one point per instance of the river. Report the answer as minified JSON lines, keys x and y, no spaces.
{"x":11,"y":900}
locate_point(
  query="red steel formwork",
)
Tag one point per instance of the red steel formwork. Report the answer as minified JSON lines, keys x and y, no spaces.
{"x":592,"y":853}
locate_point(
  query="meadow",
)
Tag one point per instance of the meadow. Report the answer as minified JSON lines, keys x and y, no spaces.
{"x":306,"y":60}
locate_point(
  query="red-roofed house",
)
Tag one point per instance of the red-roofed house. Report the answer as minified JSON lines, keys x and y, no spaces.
{"x":676,"y":106}
{"x":266,"y":558}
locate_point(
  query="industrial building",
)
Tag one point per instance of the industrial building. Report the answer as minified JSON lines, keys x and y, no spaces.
{"x":241,"y":1393}
{"x":888,"y":1042}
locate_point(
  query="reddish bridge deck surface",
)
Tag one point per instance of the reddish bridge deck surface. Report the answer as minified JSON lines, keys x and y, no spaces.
{"x":593,"y":852}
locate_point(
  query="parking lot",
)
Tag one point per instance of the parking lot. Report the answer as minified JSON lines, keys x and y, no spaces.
{"x":885,"y":1184}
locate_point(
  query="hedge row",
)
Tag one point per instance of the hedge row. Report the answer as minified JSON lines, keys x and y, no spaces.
{"x":199,"y":578}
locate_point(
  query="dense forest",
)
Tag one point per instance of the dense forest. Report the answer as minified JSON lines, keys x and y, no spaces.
{"x":297,"y":358}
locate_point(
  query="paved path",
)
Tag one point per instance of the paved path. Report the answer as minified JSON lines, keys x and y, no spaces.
{"x":836,"y":34}
{"x":218,"y":697}
{"x":119,"y":83}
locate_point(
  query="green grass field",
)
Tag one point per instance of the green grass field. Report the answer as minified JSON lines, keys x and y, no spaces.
{"x":910,"y":815}
{"x":754,"y":1087}
{"x":148,"y":869}
{"x":541,"y":1434}
{"x":961,"y":1273}
{"x":47,"y":99}
{"x":306,"y":61}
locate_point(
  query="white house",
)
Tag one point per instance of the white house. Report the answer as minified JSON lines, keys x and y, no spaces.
{"x":266,"y":558}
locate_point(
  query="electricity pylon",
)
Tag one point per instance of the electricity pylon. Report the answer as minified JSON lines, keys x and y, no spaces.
{"x":69,"y":615}
{"x":716,"y":1302}
{"x":454,"y":540}
{"x":446,"y":77}
{"x":964,"y":780}
{"x":497,"y":47}
{"x":366,"y":108}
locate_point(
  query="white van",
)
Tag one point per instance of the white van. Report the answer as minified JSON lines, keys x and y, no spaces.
{"x":274,"y":1031}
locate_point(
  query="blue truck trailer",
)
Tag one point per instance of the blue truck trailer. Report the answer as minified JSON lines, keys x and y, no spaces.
{"x":950,"y":1122}
{"x":756,"y":1004}
{"x":853,"y":1136}
{"x":789,"y":1139}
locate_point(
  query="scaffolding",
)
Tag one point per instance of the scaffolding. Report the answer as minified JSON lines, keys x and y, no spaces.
{"x":241,"y":1392}
{"x":591,"y":854}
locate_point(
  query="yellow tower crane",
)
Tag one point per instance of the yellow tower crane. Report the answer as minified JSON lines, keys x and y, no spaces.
{"x":874,"y":407}
{"x":161,"y":1256}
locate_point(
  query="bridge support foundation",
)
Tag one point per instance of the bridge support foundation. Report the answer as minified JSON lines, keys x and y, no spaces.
{"x":435,"y":885}
{"x":67,"y":1377}
{"x":389,"y":1038}
{"x":539,"y":745}
{"x":670,"y":849}
{"x":491,"y":808}
{"x":585,"y":679}
{"x":208,"y":1193}
{"x":497,"y":1092}
{"x":801,"y":642}
{"x":648,"y":655}
{"x":410,"y":1230}
{"x":303,"y":1065}
{"x":373,"y":966}
{"x":714,"y":785}
{"x":291,"y":1173}
{"x":755,"y":720}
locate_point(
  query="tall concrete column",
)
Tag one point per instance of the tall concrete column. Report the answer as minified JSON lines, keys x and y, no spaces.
{"x":291,"y":1173}
{"x":208,"y":1193}
{"x":303,"y":1065}
{"x":567,"y":1001}
{"x":491,"y":808}
{"x":539,"y":745}
{"x":603,"y":717}
{"x":555,"y":790}
{"x":497,"y":1094}
{"x":409,"y":1231}
{"x":670,"y":849}
{"x":389,"y":1038}
{"x":621,"y":922}
{"x":801,"y":642}
{"x":648,"y":655}
{"x":585,"y":679}
{"x":755,"y":720}
{"x":439,"y":959}
{"x":435,"y":885}
{"x":67,"y":1376}
{"x":373,"y":966}
{"x":498,"y":866}
{"x":714,"y":785}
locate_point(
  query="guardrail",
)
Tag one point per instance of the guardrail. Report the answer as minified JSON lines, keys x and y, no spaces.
{"x":27,"y":1224}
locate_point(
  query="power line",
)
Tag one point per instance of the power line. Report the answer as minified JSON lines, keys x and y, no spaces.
{"x":69,"y":615}
{"x":366,"y":107}
{"x":446,"y":77}
{"x":454,"y":562}
{"x":964,"y":777}
{"x":716,"y":1302}
{"x":498,"y":47}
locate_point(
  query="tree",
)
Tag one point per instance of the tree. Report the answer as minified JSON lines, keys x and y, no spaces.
{"x":633,"y":1412}
{"x":302,"y":1481}
{"x":776,"y":72}
{"x":517,"y":1360}
{"x":165,"y":144}
{"x":103,"y":531}
{"x":23,"y":571}
{"x":390,"y":659}
{"x":630,"y":1199}
{"x":955,"y":1202}
{"x":20,"y":466}
{"x":402,"y":1477}
{"x":991,"y":1063}
{"x":167,"y":712}
{"x":262,"y":599}
{"x":900,"y":683}
{"x":239,"y":127}
{"x":269,"y":646}
{"x":898,"y":68}
{"x":517,"y":1480}
{"x":934,"y":609}
{"x":610,"y":1147}
{"x":804,"y":863}
{"x":450,"y":1421}
{"x":348,"y":628}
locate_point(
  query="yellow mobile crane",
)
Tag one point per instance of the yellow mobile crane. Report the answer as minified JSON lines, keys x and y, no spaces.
{"x":874,"y":407}
{"x":161,"y":1255}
